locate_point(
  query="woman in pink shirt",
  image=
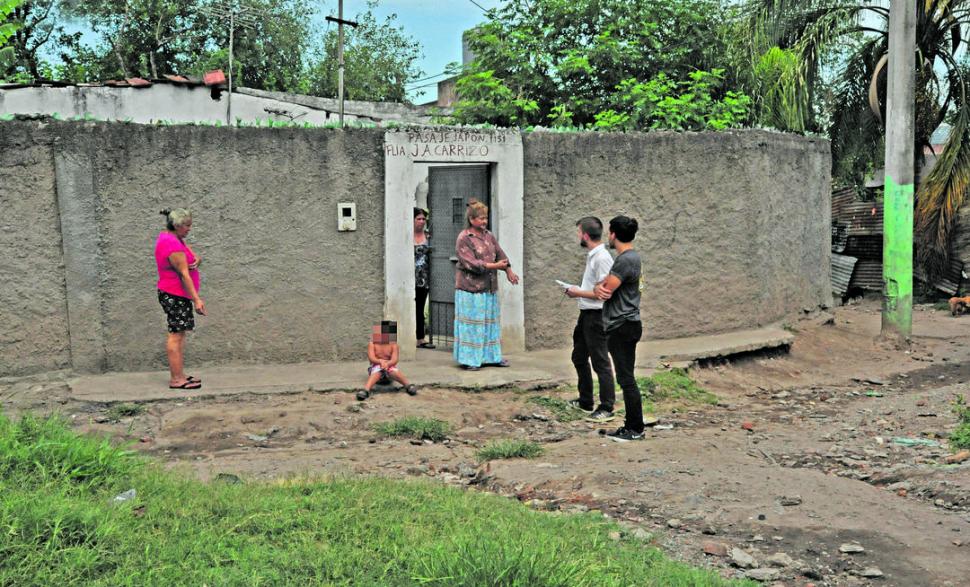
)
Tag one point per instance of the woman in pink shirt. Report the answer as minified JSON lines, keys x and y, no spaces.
{"x":178,"y":291}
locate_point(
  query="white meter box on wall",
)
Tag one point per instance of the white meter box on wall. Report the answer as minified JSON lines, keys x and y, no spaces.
{"x":346,"y":216}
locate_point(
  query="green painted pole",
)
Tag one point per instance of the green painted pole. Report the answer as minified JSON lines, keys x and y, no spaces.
{"x":897,"y":240}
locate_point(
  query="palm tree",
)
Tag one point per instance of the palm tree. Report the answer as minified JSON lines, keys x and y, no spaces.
{"x":812,"y":30}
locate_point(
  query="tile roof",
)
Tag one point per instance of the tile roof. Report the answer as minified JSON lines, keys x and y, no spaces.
{"x":214,"y":78}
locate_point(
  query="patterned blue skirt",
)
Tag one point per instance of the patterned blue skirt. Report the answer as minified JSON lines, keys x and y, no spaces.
{"x":478,"y":334}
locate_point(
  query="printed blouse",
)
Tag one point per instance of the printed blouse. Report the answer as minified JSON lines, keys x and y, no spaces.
{"x":474,"y":249}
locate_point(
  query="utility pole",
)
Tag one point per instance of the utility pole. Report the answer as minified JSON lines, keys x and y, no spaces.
{"x":340,"y":54}
{"x":237,"y":15}
{"x":897,"y":240}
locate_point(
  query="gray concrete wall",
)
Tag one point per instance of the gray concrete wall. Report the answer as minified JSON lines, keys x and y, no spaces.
{"x":734,"y":234}
{"x":734,"y":226}
{"x":33,"y":305}
{"x":281,"y":284}
{"x":195,"y":103}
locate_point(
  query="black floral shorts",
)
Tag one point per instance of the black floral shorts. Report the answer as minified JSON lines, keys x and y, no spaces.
{"x":178,"y":310}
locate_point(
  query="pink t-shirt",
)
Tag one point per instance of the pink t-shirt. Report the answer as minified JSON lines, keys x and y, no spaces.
{"x":168,"y":278}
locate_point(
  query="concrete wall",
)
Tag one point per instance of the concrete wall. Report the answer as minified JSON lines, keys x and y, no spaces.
{"x":33,"y":304}
{"x":163,"y":101}
{"x":281,"y":284}
{"x":734,"y":234}
{"x":734,"y":226}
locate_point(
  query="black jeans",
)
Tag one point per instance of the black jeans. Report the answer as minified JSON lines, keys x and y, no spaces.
{"x":420,"y":297}
{"x":622,"y":342}
{"x":589,"y":344}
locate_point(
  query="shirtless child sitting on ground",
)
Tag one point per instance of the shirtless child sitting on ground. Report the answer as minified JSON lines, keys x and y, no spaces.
{"x":382,"y":350}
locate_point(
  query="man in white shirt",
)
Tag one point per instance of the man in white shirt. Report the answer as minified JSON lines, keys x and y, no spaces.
{"x":589,"y":337}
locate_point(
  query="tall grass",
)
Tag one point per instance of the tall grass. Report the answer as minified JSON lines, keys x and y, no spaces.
{"x":415,"y":427}
{"x":674,"y":387}
{"x":509,"y":449}
{"x":55,"y":530}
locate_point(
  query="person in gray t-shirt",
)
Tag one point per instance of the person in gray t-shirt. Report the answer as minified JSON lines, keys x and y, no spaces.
{"x":621,"y":321}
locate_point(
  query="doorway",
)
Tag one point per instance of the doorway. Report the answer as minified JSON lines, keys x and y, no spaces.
{"x":450,"y":189}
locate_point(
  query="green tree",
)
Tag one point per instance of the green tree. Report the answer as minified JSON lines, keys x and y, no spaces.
{"x":272,"y":53}
{"x":145,"y":38}
{"x":7,"y":29}
{"x":536,"y":59}
{"x":38,"y":27}
{"x":662,"y":103}
{"x":380,"y":59}
{"x":811,"y":30}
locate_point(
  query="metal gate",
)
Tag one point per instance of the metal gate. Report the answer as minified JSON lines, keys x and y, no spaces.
{"x":450,"y":189}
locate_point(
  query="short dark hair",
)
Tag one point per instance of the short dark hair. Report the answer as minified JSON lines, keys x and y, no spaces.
{"x":592,"y":226}
{"x":624,"y":228}
{"x":388,"y":327}
{"x":418,"y":211}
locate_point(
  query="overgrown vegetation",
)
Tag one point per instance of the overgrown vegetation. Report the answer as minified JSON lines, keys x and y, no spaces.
{"x":278,"y":45}
{"x":509,"y":449}
{"x":560,"y":409}
{"x":61,"y":525}
{"x":7,"y":29}
{"x":960,"y":438}
{"x":415,"y":427}
{"x":673,"y":387}
{"x":856,"y":33}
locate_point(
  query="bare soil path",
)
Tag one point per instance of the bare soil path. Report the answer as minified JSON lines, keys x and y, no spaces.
{"x":799,"y":462}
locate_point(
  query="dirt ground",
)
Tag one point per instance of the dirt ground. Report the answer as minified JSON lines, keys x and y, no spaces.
{"x":797,"y":465}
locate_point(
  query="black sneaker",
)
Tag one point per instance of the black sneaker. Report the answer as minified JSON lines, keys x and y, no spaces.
{"x":574,"y":403}
{"x":411,"y":390}
{"x":623,"y":434}
{"x":362,"y":395}
{"x":601,"y":416}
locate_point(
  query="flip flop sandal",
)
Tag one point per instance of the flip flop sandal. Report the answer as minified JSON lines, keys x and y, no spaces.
{"x":193,"y":378}
{"x":189,"y":384}
{"x":470,"y":368}
{"x":426,"y":345}
{"x":502,"y":363}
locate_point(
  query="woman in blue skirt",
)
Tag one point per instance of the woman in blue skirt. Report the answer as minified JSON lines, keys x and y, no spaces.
{"x":478,"y":333}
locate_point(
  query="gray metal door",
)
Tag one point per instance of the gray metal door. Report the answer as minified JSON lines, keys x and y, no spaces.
{"x":449,"y":191}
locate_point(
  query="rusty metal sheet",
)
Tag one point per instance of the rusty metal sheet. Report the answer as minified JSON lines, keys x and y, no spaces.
{"x":863,"y":218}
{"x":840,"y":198}
{"x":867,"y":275}
{"x":842,"y":268}
{"x":864,"y":247}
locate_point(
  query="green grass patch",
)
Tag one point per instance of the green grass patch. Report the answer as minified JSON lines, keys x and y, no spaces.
{"x":415,"y":427}
{"x":509,"y":449}
{"x":559,"y":408}
{"x":119,"y":411}
{"x":943,"y":306}
{"x":57,"y":530}
{"x":673,"y":387}
{"x":960,"y":437}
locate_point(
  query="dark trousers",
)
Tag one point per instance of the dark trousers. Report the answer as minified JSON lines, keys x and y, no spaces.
{"x":622,"y":342}
{"x":420,"y":297}
{"x":589,"y":345}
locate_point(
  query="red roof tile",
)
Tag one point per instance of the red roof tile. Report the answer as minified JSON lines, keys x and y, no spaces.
{"x":214,"y":78}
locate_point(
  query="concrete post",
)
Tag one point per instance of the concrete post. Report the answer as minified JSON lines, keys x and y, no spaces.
{"x":76,"y":203}
{"x":897,"y":255}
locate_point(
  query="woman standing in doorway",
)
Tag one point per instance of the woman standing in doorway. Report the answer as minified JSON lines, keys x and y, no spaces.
{"x":178,"y":291}
{"x":477,"y":330}
{"x":422,"y":274}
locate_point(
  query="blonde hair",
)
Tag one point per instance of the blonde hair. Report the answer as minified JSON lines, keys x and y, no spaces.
{"x":176,"y":217}
{"x":475,"y":209}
